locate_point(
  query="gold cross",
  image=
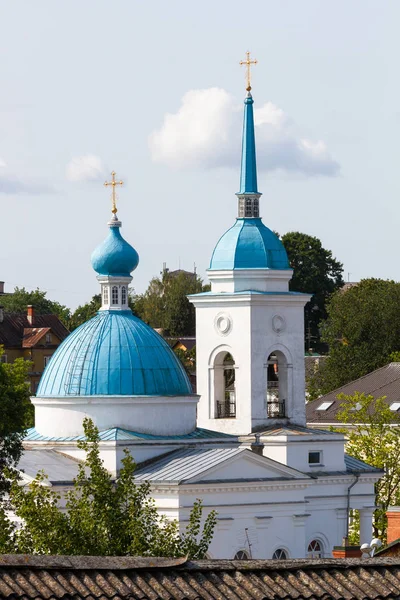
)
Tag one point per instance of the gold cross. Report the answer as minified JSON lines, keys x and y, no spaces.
{"x":248,"y":64}
{"x":113,"y":195}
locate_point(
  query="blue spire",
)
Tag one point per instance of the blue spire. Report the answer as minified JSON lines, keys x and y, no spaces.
{"x":248,"y":176}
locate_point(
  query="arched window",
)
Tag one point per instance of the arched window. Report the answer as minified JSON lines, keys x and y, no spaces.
{"x":105,"y":295}
{"x":114,"y":295}
{"x":224,"y":386}
{"x":315,"y":549}
{"x":280,"y":554}
{"x":277,"y":386}
{"x":123,"y":295}
{"x":241,"y":555}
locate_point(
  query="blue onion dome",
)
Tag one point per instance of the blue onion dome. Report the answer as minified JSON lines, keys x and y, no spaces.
{"x":115,"y":256}
{"x":114,"y":354}
{"x":249,"y":244}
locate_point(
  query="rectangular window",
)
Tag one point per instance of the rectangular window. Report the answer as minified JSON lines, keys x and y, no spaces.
{"x":46,"y":360}
{"x":314,"y":457}
{"x":105,"y":295}
{"x":114,"y":295}
{"x":3,"y":358}
{"x":48,"y":338}
{"x":324,"y":406}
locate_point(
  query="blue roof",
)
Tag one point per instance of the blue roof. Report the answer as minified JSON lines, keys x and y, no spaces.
{"x":118,"y":434}
{"x":248,"y":175}
{"x":249,"y":244}
{"x":114,"y":354}
{"x":115,"y":257}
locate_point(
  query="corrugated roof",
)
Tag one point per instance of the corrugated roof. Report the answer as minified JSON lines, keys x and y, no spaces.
{"x":31,"y":336}
{"x":182,"y":465}
{"x":381,"y":382}
{"x":30,"y":577}
{"x":118,"y":434}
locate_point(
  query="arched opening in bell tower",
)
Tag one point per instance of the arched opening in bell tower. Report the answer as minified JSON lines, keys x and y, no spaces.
{"x":224,"y":386}
{"x":277,"y":385}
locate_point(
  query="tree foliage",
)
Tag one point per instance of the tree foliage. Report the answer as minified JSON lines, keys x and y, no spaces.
{"x":85,"y":312}
{"x":164,"y":305}
{"x":102,"y":517}
{"x":315,"y":271}
{"x":15,"y":413}
{"x":21,"y":298}
{"x":373,"y":439}
{"x":362,"y":330}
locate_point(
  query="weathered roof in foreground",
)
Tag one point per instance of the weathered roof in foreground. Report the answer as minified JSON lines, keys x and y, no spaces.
{"x":51,"y":577}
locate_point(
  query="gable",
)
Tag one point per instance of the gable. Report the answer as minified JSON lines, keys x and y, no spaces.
{"x":247,"y":466}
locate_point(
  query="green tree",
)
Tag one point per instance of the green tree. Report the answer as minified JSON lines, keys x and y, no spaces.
{"x":362,"y":330}
{"x":187,"y":358}
{"x":102,"y":517}
{"x":164,"y":305}
{"x":16,"y":413}
{"x":21,"y":298}
{"x":373,"y":439}
{"x":315,"y":271}
{"x":85,"y":312}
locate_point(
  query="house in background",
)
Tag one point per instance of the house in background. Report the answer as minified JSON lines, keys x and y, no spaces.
{"x":322,"y":413}
{"x":32,"y":337}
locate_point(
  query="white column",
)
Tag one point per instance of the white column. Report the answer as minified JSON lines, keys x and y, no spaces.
{"x":366,"y":515}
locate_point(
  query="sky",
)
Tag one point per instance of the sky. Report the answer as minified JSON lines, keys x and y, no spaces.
{"x":154,"y":91}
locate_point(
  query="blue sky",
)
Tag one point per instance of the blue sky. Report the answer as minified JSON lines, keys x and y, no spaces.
{"x":92,"y":82}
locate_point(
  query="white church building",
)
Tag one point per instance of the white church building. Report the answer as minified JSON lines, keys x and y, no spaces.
{"x":241,"y":443}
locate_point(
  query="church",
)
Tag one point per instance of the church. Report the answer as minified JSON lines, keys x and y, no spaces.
{"x":241,"y":443}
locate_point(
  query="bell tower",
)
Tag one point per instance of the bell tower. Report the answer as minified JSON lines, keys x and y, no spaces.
{"x":249,"y":327}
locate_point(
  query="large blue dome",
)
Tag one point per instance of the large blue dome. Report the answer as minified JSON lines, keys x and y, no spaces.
{"x":115,"y":257}
{"x":249,"y":244}
{"x":114,"y":354}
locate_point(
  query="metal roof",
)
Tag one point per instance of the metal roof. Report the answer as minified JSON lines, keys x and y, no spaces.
{"x":114,"y":256}
{"x":295,"y":430}
{"x":182,"y":465}
{"x":249,"y":244}
{"x":381,"y":382}
{"x":354,"y":465}
{"x":54,"y":577}
{"x":58,"y":468}
{"x":32,"y":335}
{"x":114,"y":354}
{"x":118,"y":434}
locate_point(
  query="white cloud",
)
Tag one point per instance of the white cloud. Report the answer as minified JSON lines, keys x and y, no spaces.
{"x":205,"y":132}
{"x":85,"y":168}
{"x":12,"y":184}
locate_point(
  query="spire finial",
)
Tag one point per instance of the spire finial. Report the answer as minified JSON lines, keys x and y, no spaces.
{"x":248,"y":64}
{"x":113,"y":195}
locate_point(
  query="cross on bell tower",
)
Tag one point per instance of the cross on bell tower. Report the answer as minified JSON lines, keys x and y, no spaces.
{"x":248,"y":62}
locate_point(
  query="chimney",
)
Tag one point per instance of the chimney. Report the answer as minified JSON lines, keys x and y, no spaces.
{"x":393,"y":527}
{"x":1,"y":314}
{"x":346,"y":551}
{"x":257,"y":446}
{"x":31,"y":314}
{"x":1,"y":287}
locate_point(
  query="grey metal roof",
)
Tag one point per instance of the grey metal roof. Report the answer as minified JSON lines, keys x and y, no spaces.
{"x":182,"y":465}
{"x":118,"y":434}
{"x":54,"y":577}
{"x":294,"y":430}
{"x":354,"y":465}
{"x":381,"y":382}
{"x":59,"y":468}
